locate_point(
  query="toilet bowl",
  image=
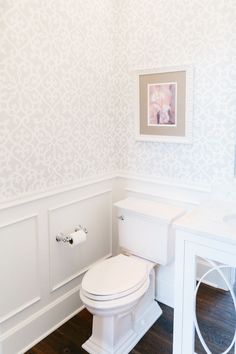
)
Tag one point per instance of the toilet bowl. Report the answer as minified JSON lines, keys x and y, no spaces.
{"x":115,"y":283}
{"x":120,"y":294}
{"x":120,"y":291}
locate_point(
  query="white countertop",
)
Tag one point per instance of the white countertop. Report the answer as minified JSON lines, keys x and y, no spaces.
{"x":208,"y":220}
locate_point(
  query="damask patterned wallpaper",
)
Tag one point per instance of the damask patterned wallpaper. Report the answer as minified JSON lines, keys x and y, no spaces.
{"x":152,"y":34}
{"x":56,"y":112}
{"x":67,"y":89}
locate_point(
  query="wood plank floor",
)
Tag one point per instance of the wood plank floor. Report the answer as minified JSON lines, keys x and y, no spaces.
{"x":215,"y":314}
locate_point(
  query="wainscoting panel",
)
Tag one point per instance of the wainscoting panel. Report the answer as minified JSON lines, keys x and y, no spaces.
{"x":40,"y":278}
{"x":19,"y":276}
{"x":92,"y":212}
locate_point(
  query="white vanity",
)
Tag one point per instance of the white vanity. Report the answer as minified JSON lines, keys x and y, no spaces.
{"x":209,"y":232}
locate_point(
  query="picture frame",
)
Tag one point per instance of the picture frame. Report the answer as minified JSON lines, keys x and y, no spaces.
{"x":164,"y":105}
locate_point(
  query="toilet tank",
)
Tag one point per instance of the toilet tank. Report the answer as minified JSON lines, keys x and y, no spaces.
{"x":145,"y":228}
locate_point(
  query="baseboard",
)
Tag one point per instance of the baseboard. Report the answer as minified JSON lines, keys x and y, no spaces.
{"x":41,"y":324}
{"x":214,"y":279}
{"x":165,"y":294}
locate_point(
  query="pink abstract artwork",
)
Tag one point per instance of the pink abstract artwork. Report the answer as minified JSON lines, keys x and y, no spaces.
{"x":162,"y":108}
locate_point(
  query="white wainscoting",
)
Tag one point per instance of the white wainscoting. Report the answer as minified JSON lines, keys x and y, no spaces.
{"x":40,"y":278}
{"x":19,"y":262}
{"x":92,"y":212}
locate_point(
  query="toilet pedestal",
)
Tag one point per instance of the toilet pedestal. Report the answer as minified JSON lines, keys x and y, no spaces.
{"x":118,"y":334}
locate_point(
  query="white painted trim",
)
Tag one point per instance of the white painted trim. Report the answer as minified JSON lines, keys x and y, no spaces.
{"x":165,"y":181}
{"x":214,"y":282}
{"x":16,"y":221}
{"x":54,"y":328}
{"x":41,"y":324}
{"x":31,"y":197}
{"x":19,"y":309}
{"x":80,"y":272}
{"x":165,"y":293}
{"x":37,"y":298}
{"x":187,"y":139}
{"x":123,"y":180}
{"x":171,"y":200}
{"x":64,"y":205}
{"x":90,"y":196}
{"x":39,"y":313}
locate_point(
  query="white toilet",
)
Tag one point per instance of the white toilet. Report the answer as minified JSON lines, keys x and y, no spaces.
{"x":120,"y":291}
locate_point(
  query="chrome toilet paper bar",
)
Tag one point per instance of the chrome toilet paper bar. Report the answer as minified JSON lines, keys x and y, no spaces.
{"x":61,"y":237}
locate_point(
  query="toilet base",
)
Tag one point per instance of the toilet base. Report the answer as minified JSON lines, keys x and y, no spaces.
{"x":134,"y":325}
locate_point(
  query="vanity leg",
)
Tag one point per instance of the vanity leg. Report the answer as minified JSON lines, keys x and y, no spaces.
{"x":184,"y":307}
{"x":178,"y":301}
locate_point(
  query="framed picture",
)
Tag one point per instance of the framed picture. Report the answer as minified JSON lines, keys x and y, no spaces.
{"x":164,"y":105}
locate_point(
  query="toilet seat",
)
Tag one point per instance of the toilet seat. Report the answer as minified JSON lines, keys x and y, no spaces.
{"x":115,"y":278}
{"x":116,"y":304}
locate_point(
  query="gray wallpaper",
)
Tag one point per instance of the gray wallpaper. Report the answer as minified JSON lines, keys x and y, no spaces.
{"x":56,"y":112}
{"x":67,"y":109}
{"x":154,"y":34}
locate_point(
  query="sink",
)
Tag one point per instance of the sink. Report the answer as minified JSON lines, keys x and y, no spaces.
{"x":230,"y":219}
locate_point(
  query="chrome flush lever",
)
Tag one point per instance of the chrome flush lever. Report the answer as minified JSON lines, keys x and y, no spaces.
{"x":121,"y":217}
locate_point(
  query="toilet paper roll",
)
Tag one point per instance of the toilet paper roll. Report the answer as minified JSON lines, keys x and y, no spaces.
{"x":77,"y":238}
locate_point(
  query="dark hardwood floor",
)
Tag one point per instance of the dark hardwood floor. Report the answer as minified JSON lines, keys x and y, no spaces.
{"x":215,"y":312}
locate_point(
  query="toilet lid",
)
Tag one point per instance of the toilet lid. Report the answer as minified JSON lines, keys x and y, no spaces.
{"x":115,"y":277}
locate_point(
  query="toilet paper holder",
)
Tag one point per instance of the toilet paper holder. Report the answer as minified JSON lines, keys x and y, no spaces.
{"x":61,"y":237}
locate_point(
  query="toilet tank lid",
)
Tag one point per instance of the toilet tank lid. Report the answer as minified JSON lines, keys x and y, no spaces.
{"x":162,"y":211}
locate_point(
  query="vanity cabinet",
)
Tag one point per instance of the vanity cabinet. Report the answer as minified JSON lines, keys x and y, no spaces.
{"x":207,"y":232}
